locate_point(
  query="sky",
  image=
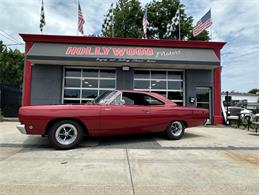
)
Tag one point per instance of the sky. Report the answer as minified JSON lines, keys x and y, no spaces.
{"x":235,"y":22}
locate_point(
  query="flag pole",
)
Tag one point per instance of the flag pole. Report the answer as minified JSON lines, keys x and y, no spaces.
{"x":211,"y":33}
{"x":77,"y":19}
{"x":113,"y":29}
{"x":179,"y":23}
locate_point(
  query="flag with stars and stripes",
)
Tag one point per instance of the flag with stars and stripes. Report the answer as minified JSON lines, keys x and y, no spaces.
{"x":202,"y":24}
{"x":108,"y":20}
{"x":81,"y":20}
{"x":145,"y":22}
{"x":42,"y":19}
{"x":172,"y":26}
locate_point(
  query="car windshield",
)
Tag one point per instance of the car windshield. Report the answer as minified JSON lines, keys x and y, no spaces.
{"x":107,"y":98}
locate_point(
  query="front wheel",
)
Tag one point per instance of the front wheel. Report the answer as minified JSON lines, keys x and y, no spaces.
{"x":65,"y":134}
{"x":175,"y":130}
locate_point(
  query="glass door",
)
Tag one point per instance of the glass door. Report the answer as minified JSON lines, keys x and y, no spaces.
{"x":203,"y":99}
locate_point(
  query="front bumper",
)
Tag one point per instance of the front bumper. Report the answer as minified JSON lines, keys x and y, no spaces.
{"x":21,"y":128}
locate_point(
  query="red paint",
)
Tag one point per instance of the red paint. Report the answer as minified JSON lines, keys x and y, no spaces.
{"x":217,"y":118}
{"x":113,"y":119}
{"x":121,"y":41}
{"x":27,"y":77}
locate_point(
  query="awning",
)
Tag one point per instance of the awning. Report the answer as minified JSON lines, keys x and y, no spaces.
{"x":108,"y":55}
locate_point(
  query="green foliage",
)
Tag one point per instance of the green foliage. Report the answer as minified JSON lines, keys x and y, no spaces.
{"x":254,"y":91}
{"x":11,"y":66}
{"x":128,"y":16}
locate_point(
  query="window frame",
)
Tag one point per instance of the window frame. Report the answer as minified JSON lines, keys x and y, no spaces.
{"x":166,"y":80}
{"x":81,"y":78}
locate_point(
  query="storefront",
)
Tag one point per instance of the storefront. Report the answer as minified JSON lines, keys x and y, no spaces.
{"x":73,"y":69}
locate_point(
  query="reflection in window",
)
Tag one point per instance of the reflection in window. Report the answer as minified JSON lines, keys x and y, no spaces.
{"x":107,"y":83}
{"x":72,"y":82}
{"x":107,"y":74}
{"x":158,"y":84}
{"x":89,"y":94}
{"x":142,"y":74}
{"x":176,"y":85}
{"x":90,"y":73}
{"x":83,"y":85}
{"x":71,"y":93}
{"x":158,"y":75}
{"x":72,"y":72}
{"x":90,"y":83}
{"x":175,"y":75}
{"x":141,"y":84}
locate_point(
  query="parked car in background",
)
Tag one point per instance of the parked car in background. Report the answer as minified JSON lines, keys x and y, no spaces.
{"x":113,"y":113}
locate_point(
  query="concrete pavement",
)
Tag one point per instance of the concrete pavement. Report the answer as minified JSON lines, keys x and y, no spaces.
{"x":208,"y":160}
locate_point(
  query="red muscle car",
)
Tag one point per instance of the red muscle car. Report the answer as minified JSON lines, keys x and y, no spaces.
{"x":112,"y":113}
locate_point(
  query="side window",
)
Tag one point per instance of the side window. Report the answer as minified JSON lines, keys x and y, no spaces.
{"x":128,"y":101}
{"x":140,"y":99}
{"x":152,"y":101}
{"x":117,"y":100}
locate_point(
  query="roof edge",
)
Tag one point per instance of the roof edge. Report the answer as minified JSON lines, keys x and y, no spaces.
{"x":119,"y":41}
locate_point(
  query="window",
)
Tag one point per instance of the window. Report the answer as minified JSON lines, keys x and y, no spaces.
{"x":140,"y":99}
{"x":166,"y":83}
{"x":82,"y":85}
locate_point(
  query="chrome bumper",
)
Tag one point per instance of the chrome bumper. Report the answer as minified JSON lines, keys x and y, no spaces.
{"x":21,"y":128}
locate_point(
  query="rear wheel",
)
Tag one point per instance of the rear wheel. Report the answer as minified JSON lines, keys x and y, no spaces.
{"x":175,"y":130}
{"x":65,"y":134}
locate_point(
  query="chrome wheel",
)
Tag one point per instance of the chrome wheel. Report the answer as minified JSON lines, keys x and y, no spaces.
{"x":176,"y":128}
{"x":66,"y":134}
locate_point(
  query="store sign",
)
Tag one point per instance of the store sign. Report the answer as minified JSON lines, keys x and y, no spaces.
{"x":108,"y":51}
{"x":127,"y":54}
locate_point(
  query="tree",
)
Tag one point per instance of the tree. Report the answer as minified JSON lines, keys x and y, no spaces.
{"x":128,"y":16}
{"x":254,"y":91}
{"x":11,"y":66}
{"x":127,"y":19}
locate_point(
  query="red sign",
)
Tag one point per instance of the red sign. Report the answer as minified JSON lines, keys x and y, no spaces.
{"x":109,"y":51}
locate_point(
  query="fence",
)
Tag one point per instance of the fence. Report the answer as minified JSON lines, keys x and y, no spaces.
{"x":10,"y":100}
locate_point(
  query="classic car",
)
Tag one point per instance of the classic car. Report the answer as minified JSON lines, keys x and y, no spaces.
{"x":112,"y":113}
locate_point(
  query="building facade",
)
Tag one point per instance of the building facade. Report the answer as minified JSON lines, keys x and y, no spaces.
{"x":73,"y":69}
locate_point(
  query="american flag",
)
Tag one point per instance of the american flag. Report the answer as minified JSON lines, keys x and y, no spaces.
{"x":42,"y":19}
{"x":81,"y":20}
{"x":202,"y":24}
{"x":145,"y":22}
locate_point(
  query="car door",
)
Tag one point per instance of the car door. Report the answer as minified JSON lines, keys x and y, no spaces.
{"x":124,"y":119}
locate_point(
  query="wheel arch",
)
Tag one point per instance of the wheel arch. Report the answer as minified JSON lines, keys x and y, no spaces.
{"x":53,"y":121}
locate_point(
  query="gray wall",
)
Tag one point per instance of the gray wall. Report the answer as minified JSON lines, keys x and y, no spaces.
{"x":125,"y":79}
{"x":46,"y":88}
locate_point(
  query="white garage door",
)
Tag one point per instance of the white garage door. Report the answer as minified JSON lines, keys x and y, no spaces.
{"x":82,"y":85}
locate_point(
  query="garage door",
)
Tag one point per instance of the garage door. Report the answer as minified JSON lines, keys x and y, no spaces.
{"x":82,"y":85}
{"x":166,"y":83}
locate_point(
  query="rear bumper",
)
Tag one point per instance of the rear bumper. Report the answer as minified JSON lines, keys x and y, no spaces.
{"x":21,"y":128}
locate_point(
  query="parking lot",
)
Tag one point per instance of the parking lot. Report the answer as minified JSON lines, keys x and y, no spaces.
{"x":208,"y":160}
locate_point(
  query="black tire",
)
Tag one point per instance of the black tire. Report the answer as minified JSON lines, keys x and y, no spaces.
{"x":61,"y":140}
{"x":175,"y":130}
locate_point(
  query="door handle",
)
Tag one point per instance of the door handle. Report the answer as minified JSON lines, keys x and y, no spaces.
{"x":146,"y":111}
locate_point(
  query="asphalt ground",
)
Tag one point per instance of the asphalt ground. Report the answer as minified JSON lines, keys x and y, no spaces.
{"x":208,"y":160}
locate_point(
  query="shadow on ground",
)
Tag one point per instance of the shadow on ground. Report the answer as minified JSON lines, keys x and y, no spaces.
{"x":140,"y":141}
